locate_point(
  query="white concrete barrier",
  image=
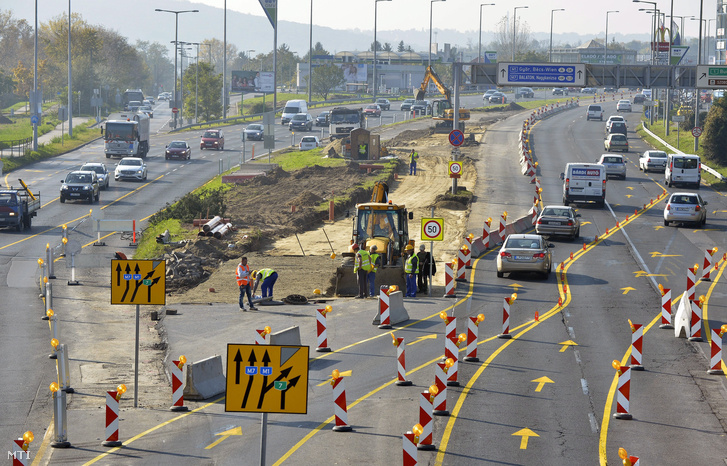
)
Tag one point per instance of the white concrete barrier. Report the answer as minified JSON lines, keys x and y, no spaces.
{"x":397,"y":311}
{"x":205,"y":379}
{"x":287,"y":337}
{"x":682,"y":318}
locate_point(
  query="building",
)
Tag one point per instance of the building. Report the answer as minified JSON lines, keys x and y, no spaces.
{"x":592,"y":52}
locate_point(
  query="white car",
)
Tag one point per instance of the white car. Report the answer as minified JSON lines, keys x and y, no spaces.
{"x":613,"y":118}
{"x":130,"y":168}
{"x":623,"y":106}
{"x":653,"y":160}
{"x":309,"y":142}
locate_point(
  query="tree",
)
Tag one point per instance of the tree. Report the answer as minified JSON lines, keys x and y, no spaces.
{"x":401,"y":47}
{"x":387,"y":47}
{"x":377,"y":44}
{"x":317,"y":50}
{"x":325,"y":79}
{"x":209,"y":92}
{"x":160,"y":66}
{"x":714,"y":138}
{"x":504,"y":38}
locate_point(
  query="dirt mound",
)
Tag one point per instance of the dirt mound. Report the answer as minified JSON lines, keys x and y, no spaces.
{"x":306,"y":198}
{"x":409,"y":136}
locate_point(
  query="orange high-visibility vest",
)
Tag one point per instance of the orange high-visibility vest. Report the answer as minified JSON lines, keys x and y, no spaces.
{"x":242,"y":274}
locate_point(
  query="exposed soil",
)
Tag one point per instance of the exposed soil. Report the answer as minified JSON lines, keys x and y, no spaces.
{"x":298,"y":245}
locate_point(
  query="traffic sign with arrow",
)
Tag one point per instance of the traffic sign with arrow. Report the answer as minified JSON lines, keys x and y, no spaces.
{"x":541,"y":74}
{"x":130,"y":277}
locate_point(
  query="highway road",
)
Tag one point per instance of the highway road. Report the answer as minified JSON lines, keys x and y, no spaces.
{"x":533,"y":399}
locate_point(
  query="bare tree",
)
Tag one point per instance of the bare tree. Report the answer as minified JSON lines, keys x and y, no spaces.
{"x":504,"y":38}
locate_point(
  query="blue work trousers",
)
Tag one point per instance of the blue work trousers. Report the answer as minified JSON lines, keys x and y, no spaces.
{"x":266,"y":287}
{"x":245,"y":290}
{"x":411,"y":285}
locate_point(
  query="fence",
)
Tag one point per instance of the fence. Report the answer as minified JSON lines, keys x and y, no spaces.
{"x":15,"y":147}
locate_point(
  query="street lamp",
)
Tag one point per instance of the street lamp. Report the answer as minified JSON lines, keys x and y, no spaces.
{"x":514,"y":23}
{"x":479,"y":42}
{"x":310,"y":55}
{"x":242,"y":92}
{"x":70,"y":80}
{"x":176,"y":40}
{"x":431,"y":5}
{"x":605,"y":47}
{"x":700,"y":52}
{"x":224,"y":63}
{"x":376,"y":4}
{"x":653,"y":25}
{"x":550,"y":53}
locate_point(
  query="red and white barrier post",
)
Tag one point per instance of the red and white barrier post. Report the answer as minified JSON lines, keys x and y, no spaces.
{"x":665,"y":308}
{"x":177,"y":389}
{"x":623,"y":391}
{"x":461,"y":261}
{"x":695,"y":321}
{"x":503,"y":224}
{"x":506,"y":316}
{"x":626,"y":459}
{"x":449,"y":280}
{"x":409,"y":449}
{"x":473,"y":326}
{"x":691,"y":281}
{"x":637,"y":346}
{"x":440,"y":397}
{"x":112,"y":416}
{"x":486,"y":232}
{"x":426,"y":419}
{"x":451,"y":353}
{"x":715,"y":361}
{"x":708,"y":263}
{"x":468,"y":251}
{"x":20,"y":453}
{"x":384,"y":310}
{"x":340,"y":410}
{"x":321,"y":329}
{"x":400,"y":361}
{"x":260,"y":335}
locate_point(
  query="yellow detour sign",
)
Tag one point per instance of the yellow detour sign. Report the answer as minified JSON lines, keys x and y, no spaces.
{"x":267,"y":379}
{"x":138,"y":282}
{"x":432,"y":229}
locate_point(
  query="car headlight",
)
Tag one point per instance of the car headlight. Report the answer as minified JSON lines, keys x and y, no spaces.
{"x":86,"y":188}
{"x":138,"y":171}
{"x":64,"y":188}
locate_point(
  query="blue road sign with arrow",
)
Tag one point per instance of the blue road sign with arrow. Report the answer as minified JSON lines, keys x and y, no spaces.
{"x":541,"y":74}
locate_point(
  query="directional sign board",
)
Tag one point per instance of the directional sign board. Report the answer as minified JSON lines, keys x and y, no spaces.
{"x":138,"y":282}
{"x":541,"y":74}
{"x":711,"y":77}
{"x":267,"y":379}
{"x":432,"y":229}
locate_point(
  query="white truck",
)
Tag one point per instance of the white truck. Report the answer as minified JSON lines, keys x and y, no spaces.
{"x":584,"y":182}
{"x":126,"y":134}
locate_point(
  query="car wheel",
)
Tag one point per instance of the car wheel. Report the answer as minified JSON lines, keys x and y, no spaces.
{"x":108,"y":156}
{"x":500,"y":274}
{"x":21,"y":225}
{"x":90,"y":199}
{"x":697,"y":185}
{"x":98,"y":196}
{"x":646,"y":170}
{"x":166,"y":157}
{"x":144,"y":176}
{"x":62,"y":199}
{"x":704,"y":220}
{"x":666,"y":223}
{"x":576,"y":234}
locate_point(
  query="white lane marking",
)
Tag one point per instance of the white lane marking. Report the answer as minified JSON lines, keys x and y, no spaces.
{"x":594,"y":424}
{"x":584,"y":386}
{"x":572,"y":333}
{"x":577,"y":355}
{"x":639,"y":259}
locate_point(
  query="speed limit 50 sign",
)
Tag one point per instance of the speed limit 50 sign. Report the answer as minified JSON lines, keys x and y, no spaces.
{"x":455,"y":169}
{"x":432,"y":229}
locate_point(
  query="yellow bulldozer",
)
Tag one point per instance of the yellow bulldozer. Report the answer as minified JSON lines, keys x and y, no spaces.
{"x":382,"y":223}
{"x":441,"y":108}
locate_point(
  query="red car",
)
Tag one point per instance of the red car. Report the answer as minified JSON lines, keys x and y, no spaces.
{"x":177,"y":150}
{"x":212,"y":139}
{"x":372,"y":110}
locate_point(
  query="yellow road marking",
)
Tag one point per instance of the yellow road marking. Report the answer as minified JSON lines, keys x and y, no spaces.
{"x":342,"y":374}
{"x":627,"y":289}
{"x":525,"y":434}
{"x":659,"y":254}
{"x":566,"y":344}
{"x":433,"y":336}
{"x":541,"y":381}
{"x":223,"y":435}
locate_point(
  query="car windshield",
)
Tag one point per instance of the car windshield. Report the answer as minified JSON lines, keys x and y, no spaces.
{"x":8,"y":199}
{"x":523,"y":243}
{"x":255,"y":127}
{"x":555,"y":212}
{"x":95,"y":168}
{"x":211,"y":134}
{"x":178,"y":145}
{"x":299,"y":117}
{"x":613,"y":160}
{"x":372,"y":107}
{"x":381,"y":101}
{"x":291,"y":110}
{"x":308,"y":139}
{"x":618,"y":137}
{"x":685,"y":163}
{"x":683,"y":199}
{"x":145,"y":107}
{"x":78,"y":178}
{"x":656,"y":154}
{"x":130,"y":162}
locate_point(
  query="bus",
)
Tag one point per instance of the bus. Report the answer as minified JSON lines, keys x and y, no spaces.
{"x":131,"y":95}
{"x":344,"y":120}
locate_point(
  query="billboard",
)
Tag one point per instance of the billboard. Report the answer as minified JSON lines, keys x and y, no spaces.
{"x":354,"y":72}
{"x":252,"y":81}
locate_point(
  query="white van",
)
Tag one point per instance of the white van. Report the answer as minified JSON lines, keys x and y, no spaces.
{"x":683,"y":169}
{"x":584,"y":182}
{"x":293,"y":107}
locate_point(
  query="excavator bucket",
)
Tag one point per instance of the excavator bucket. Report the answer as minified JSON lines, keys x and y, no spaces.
{"x":419,"y":94}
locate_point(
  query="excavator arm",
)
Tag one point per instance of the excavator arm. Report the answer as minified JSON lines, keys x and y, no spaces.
{"x":431,"y":75}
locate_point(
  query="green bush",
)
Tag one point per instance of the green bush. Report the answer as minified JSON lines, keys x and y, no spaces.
{"x":192,"y":205}
{"x":688,"y":122}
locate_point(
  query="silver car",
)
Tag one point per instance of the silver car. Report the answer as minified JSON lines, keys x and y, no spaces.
{"x":653,"y":160}
{"x":685,"y":208}
{"x":615,"y":165}
{"x":558,"y":220}
{"x":102,"y":173}
{"x":130,"y":168}
{"x":525,"y":253}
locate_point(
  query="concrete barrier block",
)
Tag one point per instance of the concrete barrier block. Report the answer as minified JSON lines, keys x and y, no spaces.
{"x":478,"y":247}
{"x":205,"y":379}
{"x":287,"y":337}
{"x":682,"y":317}
{"x":397,"y":311}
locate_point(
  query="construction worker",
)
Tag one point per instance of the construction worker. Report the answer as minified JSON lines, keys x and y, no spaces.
{"x":413,"y":157}
{"x":361,"y":267}
{"x":375,"y":264}
{"x":268,"y":278}
{"x":411,"y":269}
{"x":425,"y":264}
{"x":362,"y":152}
{"x":243,"y":281}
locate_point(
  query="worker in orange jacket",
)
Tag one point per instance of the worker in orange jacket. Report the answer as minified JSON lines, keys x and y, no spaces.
{"x":243,"y":281}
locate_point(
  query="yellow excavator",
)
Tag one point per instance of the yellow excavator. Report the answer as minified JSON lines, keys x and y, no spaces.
{"x":441,"y":108}
{"x":382,"y":223}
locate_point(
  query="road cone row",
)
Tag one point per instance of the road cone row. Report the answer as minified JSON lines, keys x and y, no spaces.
{"x":473,"y":325}
{"x":384,"y":308}
{"x":340,"y":409}
{"x":666,"y":321}
{"x":177,"y":389}
{"x":321,"y":329}
{"x":449,"y":281}
{"x":486,"y":232}
{"x":637,"y":346}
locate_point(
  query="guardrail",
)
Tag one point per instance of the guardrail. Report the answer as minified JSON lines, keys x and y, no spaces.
{"x":710,"y":170}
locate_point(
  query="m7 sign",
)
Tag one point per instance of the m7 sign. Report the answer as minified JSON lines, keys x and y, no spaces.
{"x":541,"y":74}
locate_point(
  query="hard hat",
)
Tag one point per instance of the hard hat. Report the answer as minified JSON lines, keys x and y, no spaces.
{"x":254,"y":273}
{"x":409,"y":247}
{"x":374,"y":248}
{"x":421,"y":247}
{"x":355,"y":246}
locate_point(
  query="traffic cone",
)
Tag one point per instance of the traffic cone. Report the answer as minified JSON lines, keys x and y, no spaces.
{"x":503,"y":224}
{"x":440,"y":399}
{"x":449,"y":281}
{"x":695,"y":328}
{"x":691,"y":281}
{"x":666,"y":322}
{"x":506,"y":316}
{"x":468,"y":252}
{"x":715,"y":361}
{"x":340,"y":410}
{"x":409,"y":441}
{"x":486,"y":233}
{"x":384,"y":308}
{"x":451,"y":352}
{"x":260,"y":335}
{"x":461,"y":265}
{"x":177,"y":389}
{"x":321,"y":330}
{"x":708,"y":263}
{"x":112,"y":419}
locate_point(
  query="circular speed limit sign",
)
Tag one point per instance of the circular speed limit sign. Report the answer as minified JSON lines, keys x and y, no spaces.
{"x":432,"y":229}
{"x":697,"y":131}
{"x":455,"y":169}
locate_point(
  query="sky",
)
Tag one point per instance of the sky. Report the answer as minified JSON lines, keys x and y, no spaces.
{"x":580,"y":16}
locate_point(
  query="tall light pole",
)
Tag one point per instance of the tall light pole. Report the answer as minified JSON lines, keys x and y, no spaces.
{"x":35,"y":79}
{"x":196,"y":81}
{"x":707,"y":38}
{"x":242,"y":92}
{"x":224,"y":64}
{"x":653,"y":25}
{"x":310,"y":55}
{"x":70,"y":80}
{"x":176,"y":42}
{"x":701,"y":54}
{"x":479,"y":40}
{"x":550,"y":49}
{"x":376,"y":4}
{"x":605,"y":48}
{"x":431,"y":5}
{"x":514,"y":31}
